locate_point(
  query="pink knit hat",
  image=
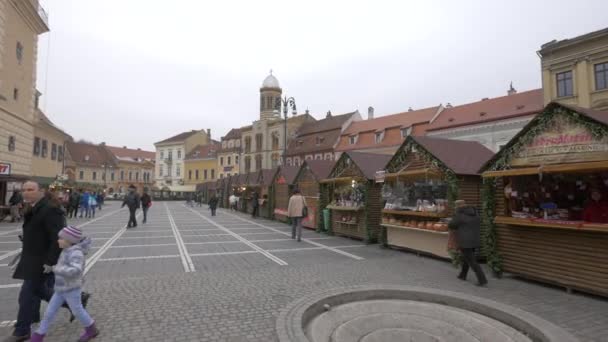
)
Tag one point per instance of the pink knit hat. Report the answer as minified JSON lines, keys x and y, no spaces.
{"x":72,"y":234}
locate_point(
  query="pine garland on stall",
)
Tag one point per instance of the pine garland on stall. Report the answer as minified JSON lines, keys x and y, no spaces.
{"x":490,"y":242}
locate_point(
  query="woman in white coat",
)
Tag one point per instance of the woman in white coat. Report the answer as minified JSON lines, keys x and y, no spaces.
{"x":296,"y":211}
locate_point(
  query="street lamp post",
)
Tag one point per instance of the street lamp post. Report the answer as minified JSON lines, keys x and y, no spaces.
{"x":286,"y":103}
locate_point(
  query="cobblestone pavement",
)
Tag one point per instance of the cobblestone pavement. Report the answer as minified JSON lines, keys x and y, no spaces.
{"x":187,"y":276}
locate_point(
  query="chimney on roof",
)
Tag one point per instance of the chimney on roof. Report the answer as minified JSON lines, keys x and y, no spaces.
{"x":449,"y":105}
{"x":124,"y":147}
{"x":209,"y":133}
{"x":328,"y":115}
{"x":410,"y":109}
{"x":307,"y":112}
{"x":485,"y":99}
{"x":511,"y":90}
{"x":370,"y":113}
{"x":139,"y":149}
{"x":103,"y":143}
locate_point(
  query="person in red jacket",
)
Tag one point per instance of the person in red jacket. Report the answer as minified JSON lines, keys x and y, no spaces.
{"x":596,"y":210}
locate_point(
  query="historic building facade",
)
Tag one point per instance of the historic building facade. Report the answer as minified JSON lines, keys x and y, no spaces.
{"x":491,"y":122}
{"x":170,"y":156}
{"x":48,"y":153}
{"x":575,"y":71}
{"x":229,"y":153}
{"x":264,"y":141}
{"x":21,"y":21}
{"x":317,"y":140}
{"x":87,"y":165}
{"x":201,"y":165}
{"x":132,"y":167}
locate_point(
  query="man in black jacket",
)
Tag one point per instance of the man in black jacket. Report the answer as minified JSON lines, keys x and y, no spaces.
{"x":132,"y":201}
{"x":43,"y":221}
{"x":146,"y":201}
{"x":255,"y":202}
{"x":466,"y":224}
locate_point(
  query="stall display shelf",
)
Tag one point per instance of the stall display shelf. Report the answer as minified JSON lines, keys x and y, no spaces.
{"x":347,"y":223}
{"x":414,"y":213}
{"x":337,"y":207}
{"x":412,"y":228}
{"x":574,"y":225}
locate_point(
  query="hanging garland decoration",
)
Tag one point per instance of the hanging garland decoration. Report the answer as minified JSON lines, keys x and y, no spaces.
{"x":539,"y":125}
{"x":490,"y":236}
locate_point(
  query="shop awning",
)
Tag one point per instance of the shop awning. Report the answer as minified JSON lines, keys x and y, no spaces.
{"x":555,"y":168}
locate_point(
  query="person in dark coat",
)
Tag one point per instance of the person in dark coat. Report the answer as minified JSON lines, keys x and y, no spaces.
{"x":40,"y":251}
{"x":74,"y":203}
{"x":213,"y":204}
{"x":467,"y":224}
{"x":133,"y":202}
{"x":146,"y":202}
{"x":16,"y":202}
{"x":255,"y":199}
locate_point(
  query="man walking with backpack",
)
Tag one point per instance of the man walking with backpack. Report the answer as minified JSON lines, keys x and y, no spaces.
{"x":133,"y":202}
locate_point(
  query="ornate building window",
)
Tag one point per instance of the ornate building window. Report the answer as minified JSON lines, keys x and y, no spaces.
{"x":275,"y":160}
{"x":81,"y":175}
{"x":94,"y":175}
{"x":259,"y":141}
{"x":247,"y":144}
{"x":212,"y":173}
{"x":196,"y":174}
{"x":45,"y":149}
{"x":601,"y":76}
{"x":275,"y":140}
{"x":205,"y":174}
{"x":247,"y":163}
{"x":19,"y":52}
{"x":36,"y":146}
{"x":11,"y":143}
{"x":53,"y":151}
{"x":60,"y":153}
{"x":564,"y":84}
{"x":258,"y":162}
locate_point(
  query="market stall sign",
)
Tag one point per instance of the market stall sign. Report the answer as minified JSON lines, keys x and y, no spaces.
{"x":380,"y":175}
{"x":562,"y":142}
{"x":5,"y":169}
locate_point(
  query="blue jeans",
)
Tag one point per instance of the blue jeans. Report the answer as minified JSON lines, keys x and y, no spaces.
{"x":32,"y":291}
{"x":72,"y":297}
{"x":296,"y":228}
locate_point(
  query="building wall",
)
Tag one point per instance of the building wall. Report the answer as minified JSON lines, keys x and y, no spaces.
{"x":227,"y":168}
{"x":202,"y":165}
{"x":46,"y":166}
{"x":73,"y":172}
{"x":16,"y":116}
{"x":580,"y":57}
{"x":200,"y":138}
{"x":136,"y":170}
{"x":492,"y":135}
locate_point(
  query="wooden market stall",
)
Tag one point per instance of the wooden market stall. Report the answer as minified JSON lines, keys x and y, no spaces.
{"x":549,"y":189}
{"x":282,"y":185}
{"x":424,"y":177}
{"x":265,"y":184}
{"x":221,"y":190}
{"x":308,"y":181}
{"x":238,"y":185}
{"x":354,"y":196}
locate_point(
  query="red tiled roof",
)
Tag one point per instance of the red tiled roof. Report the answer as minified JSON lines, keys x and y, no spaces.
{"x":308,"y":143}
{"x":89,"y":154}
{"x":404,"y":120}
{"x":500,"y":108}
{"x":326,"y":124}
{"x":179,"y":137}
{"x":234,"y":133}
{"x":369,"y":163}
{"x":203,"y":152}
{"x":129,"y":153}
{"x":320,"y":168}
{"x":462,"y":157}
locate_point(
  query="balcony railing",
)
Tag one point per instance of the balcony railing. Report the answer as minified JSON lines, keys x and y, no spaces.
{"x":169,"y":160}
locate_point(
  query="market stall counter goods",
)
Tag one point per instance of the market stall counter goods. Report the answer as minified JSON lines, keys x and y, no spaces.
{"x":549,"y":187}
{"x":354,"y":196}
{"x":424,"y":177}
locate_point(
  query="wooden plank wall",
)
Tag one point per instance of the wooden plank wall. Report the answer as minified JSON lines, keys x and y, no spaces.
{"x":309,"y":187}
{"x":574,"y":259}
{"x":374,"y":210}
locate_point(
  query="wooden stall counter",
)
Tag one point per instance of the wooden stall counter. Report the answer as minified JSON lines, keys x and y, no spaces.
{"x":555,"y":224}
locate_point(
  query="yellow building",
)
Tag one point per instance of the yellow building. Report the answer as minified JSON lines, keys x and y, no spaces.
{"x":21,"y":21}
{"x":48,"y":151}
{"x":575,"y":71}
{"x":201,"y":165}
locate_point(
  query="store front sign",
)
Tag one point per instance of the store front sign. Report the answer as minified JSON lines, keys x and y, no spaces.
{"x":562,"y":142}
{"x":380,"y":175}
{"x":5,"y":169}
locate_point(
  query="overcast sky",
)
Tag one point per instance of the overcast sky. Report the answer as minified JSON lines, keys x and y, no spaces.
{"x":133,"y":72}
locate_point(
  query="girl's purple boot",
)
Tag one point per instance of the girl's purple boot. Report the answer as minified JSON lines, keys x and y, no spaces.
{"x":36,"y":337}
{"x":90,"y":333}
